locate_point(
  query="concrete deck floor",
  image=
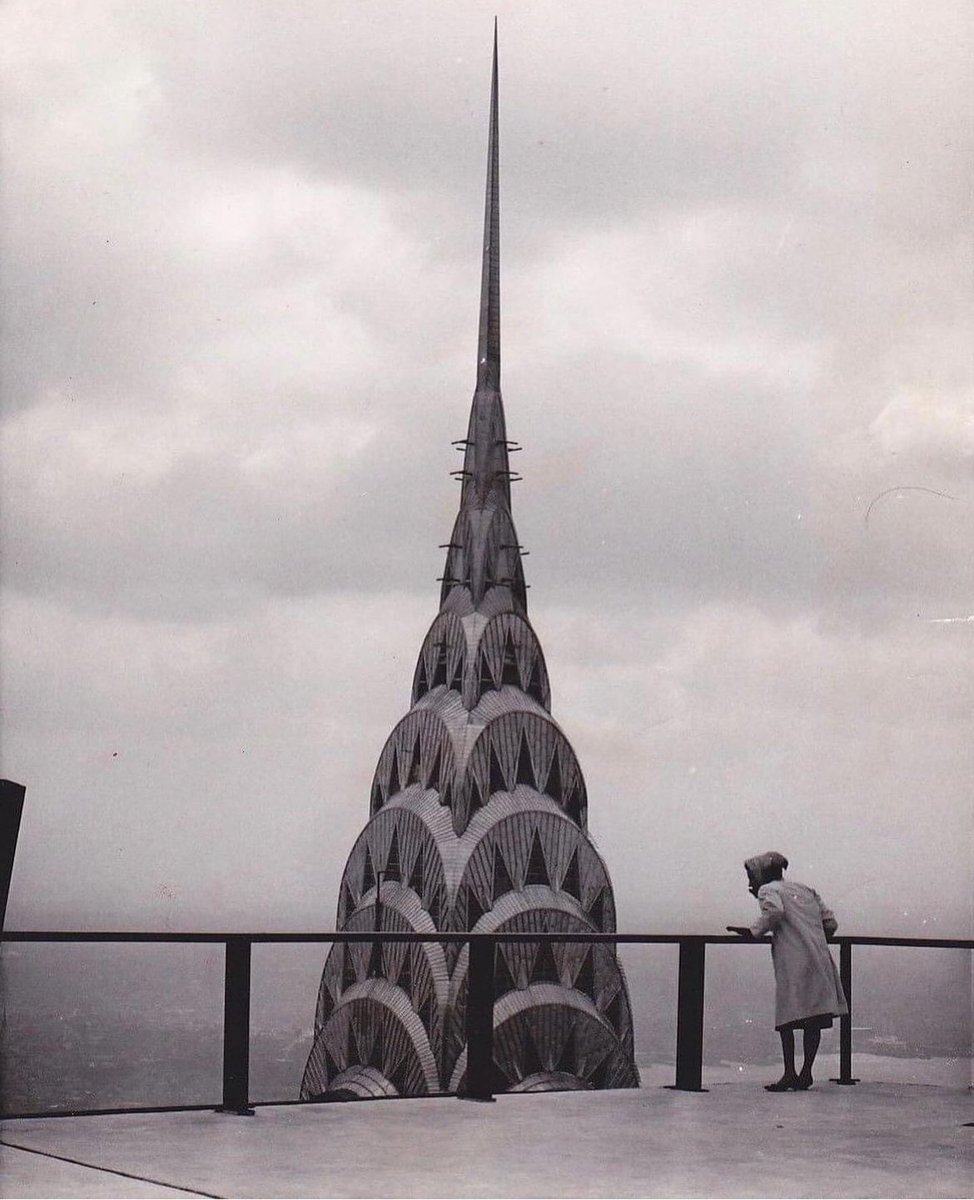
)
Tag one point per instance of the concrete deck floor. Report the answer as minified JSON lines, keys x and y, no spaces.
{"x":736,"y":1140}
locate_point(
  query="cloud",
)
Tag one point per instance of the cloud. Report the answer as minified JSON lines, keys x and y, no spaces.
{"x":702,"y":736}
{"x":241,"y":258}
{"x":190,"y":755}
{"x":930,"y":430}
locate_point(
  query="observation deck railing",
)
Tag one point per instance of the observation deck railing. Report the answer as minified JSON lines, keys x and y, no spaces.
{"x":480,"y":1002}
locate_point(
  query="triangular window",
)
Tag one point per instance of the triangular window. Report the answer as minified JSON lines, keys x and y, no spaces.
{"x":422,"y":683}
{"x":525,"y":767}
{"x":486,"y":678}
{"x":394,"y":784}
{"x":475,"y":909}
{"x":476,"y":797}
{"x":571,"y":883}
{"x":415,"y":767}
{"x":537,"y":867}
{"x":439,"y":671}
{"x":376,"y":796}
{"x":585,"y":979}
{"x":535,"y":689}
{"x":368,"y":873}
{"x":434,"y":776}
{"x":348,"y":904}
{"x":597,"y":909}
{"x":417,"y":879}
{"x":405,"y":980}
{"x":375,"y":1055}
{"x":544,"y":969}
{"x":573,"y":805}
{"x":509,"y":671}
{"x":393,"y":868}
{"x":614,"y":1012}
{"x":375,"y":961}
{"x":456,"y":683}
{"x":502,"y":877}
{"x":497,"y":781}
{"x":553,"y":786}
{"x":331,"y":1067}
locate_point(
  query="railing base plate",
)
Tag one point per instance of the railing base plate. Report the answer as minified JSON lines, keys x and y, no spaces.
{"x":675,"y":1087}
{"x":237,"y":1112}
{"x":844,"y":1082}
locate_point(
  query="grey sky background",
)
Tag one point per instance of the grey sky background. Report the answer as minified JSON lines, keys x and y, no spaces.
{"x":241,"y":249}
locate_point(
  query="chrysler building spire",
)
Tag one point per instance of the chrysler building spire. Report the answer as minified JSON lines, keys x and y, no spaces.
{"x":489,"y":344}
{"x":477,"y":822}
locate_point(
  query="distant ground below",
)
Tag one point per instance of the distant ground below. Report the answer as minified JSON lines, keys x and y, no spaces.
{"x":88,"y":1026}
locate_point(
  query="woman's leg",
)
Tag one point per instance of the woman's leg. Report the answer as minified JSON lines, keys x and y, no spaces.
{"x":789,"y":1079}
{"x":788,"y":1051}
{"x":810,"y":1042}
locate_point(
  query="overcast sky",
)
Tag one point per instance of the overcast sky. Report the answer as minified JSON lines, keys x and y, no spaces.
{"x":241,"y":251}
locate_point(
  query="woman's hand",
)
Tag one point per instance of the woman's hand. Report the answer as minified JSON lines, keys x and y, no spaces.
{"x":740,"y":930}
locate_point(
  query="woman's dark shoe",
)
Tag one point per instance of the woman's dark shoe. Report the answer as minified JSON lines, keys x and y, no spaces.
{"x":803,"y":1082}
{"x":787,"y":1083}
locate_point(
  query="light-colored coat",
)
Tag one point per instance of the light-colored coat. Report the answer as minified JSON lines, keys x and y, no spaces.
{"x":806,"y":981}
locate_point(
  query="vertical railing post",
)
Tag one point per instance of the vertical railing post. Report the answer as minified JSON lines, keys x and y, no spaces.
{"x":11,"y":808}
{"x":480,"y":1020}
{"x":236,"y":1027}
{"x":689,"y":1015}
{"x":845,"y":1022}
{"x":374,"y":968}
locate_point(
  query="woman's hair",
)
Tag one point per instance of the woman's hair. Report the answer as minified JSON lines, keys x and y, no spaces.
{"x":764,"y":868}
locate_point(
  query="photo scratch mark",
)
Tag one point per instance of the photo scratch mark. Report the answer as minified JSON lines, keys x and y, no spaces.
{"x":907,"y":488}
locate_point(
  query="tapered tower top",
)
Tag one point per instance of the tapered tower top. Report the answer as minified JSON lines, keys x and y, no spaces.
{"x":484,"y":557}
{"x":478,"y":823}
{"x":489,"y":345}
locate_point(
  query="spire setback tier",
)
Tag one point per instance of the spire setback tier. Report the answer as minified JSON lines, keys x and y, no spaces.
{"x":478,"y":822}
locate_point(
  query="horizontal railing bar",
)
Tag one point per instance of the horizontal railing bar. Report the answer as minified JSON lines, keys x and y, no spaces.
{"x":647,"y":939}
{"x":927,"y":943}
{"x":60,"y":935}
{"x":384,"y":935}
